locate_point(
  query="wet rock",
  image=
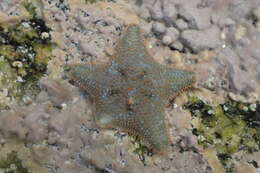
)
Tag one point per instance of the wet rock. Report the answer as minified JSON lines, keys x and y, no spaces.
{"x":169,"y":11}
{"x":167,"y":40}
{"x":181,"y":24}
{"x":245,"y":167}
{"x":240,"y":8}
{"x":196,"y":17}
{"x":57,"y":91}
{"x":12,"y":124}
{"x":42,"y":97}
{"x":10,"y":7}
{"x":27,"y":125}
{"x":159,"y":27}
{"x":185,"y":14}
{"x":89,"y":48}
{"x":146,"y":27}
{"x":73,"y":143}
{"x":59,"y":16}
{"x":225,"y":22}
{"x":127,"y":162}
{"x":200,"y":40}
{"x":156,"y":10}
{"x":36,"y":123}
{"x":89,"y":30}
{"x":177,"y":46}
{"x":202,"y":18}
{"x":238,"y":77}
{"x":173,"y":33}
{"x":144,"y":12}
{"x":242,"y":56}
{"x":257,"y":12}
{"x":222,"y":71}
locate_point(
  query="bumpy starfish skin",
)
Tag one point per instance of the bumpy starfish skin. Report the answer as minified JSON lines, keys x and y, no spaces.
{"x":131,"y":90}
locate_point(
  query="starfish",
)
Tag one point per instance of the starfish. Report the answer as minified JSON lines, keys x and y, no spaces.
{"x":131,"y":91}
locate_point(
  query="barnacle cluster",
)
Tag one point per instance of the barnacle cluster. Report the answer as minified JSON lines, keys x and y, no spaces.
{"x":25,"y":49}
{"x":228,"y":128}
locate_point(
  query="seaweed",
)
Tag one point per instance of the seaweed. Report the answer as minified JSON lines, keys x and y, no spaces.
{"x":228,"y":128}
{"x":30,"y":8}
{"x":25,"y":50}
{"x":12,"y":164}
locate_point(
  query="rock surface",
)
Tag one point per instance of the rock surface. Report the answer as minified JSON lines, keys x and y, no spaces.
{"x":55,"y":133}
{"x":201,"y":40}
{"x":229,"y":29}
{"x":69,"y":143}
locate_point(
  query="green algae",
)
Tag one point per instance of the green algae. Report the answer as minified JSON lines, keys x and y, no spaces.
{"x":140,"y":149}
{"x":91,"y":1}
{"x":30,"y":8}
{"x":25,"y":49}
{"x":228,"y":128}
{"x":12,"y":164}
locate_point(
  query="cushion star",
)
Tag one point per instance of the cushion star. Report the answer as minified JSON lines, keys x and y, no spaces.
{"x":131,"y":91}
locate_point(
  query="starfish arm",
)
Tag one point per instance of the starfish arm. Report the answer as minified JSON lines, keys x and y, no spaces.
{"x":131,"y":44}
{"x":154,"y":131}
{"x":150,"y":128}
{"x":85,"y":76}
{"x":174,"y":81}
{"x":131,"y":49}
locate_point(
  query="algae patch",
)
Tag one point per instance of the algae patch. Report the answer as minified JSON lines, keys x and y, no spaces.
{"x":91,"y":1}
{"x":25,"y":49}
{"x":228,"y":128}
{"x":12,"y":164}
{"x":30,"y":8}
{"x":140,"y":149}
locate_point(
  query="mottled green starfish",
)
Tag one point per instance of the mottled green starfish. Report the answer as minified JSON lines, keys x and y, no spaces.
{"x":131,"y":91}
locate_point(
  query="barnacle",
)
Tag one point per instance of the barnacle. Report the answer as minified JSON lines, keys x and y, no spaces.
{"x":24,"y":54}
